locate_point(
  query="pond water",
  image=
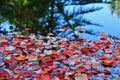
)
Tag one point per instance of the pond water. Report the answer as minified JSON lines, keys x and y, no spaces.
{"x":110,"y":22}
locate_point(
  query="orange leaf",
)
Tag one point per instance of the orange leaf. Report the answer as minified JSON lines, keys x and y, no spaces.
{"x":19,"y":58}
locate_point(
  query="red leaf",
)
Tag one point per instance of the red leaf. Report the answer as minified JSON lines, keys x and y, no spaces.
{"x":7,"y":52}
{"x":61,"y":56}
{"x":4,"y":43}
{"x":20,"y":47}
{"x":26,"y":74}
{"x":21,"y":37}
{"x":102,"y":57}
{"x":107,"y":63}
{"x":106,"y":71}
{"x":29,"y":43}
{"x":85,"y":50}
{"x":44,"y":77}
{"x":31,"y":50}
{"x":81,"y":69}
{"x":68,"y":52}
{"x":3,"y":73}
{"x":39,"y":46}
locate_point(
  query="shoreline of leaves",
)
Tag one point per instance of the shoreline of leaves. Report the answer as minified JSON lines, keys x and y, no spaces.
{"x":54,"y":58}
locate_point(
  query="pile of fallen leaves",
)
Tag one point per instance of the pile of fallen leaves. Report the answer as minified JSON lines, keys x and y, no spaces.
{"x":54,"y":58}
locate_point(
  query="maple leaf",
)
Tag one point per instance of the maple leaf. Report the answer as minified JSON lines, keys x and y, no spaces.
{"x":81,"y":69}
{"x":85,"y":50}
{"x":30,"y":50}
{"x":39,"y":46}
{"x":108,"y":63}
{"x":106,"y":71}
{"x":5,"y":43}
{"x":68,"y":52}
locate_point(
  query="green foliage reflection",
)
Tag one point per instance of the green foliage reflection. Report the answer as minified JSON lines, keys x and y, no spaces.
{"x":115,"y":6}
{"x":44,"y":16}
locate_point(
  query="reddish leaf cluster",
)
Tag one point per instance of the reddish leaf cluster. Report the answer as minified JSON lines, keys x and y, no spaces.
{"x":55,"y":58}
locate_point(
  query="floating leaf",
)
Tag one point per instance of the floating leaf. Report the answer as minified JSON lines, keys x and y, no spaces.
{"x":81,"y":69}
{"x":68,"y":52}
{"x":107,"y":63}
{"x":8,"y":52}
{"x":4,"y":43}
{"x":106,"y":71}
{"x":30,"y":50}
{"x":81,"y":77}
{"x":32,"y":57}
{"x":19,"y":58}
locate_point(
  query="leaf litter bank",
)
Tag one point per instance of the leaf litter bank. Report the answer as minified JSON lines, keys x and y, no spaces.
{"x":54,"y":58}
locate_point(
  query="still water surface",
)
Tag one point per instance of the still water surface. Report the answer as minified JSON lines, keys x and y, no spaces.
{"x":110,"y":22}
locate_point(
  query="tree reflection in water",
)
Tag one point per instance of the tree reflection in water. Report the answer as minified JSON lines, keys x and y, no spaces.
{"x":44,"y":18}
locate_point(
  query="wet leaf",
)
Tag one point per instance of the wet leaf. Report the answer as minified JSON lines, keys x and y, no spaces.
{"x":81,"y":69}
{"x":68,"y":52}
{"x":20,"y":58}
{"x":31,"y":57}
{"x":106,"y":71}
{"x":4,"y":43}
{"x":81,"y":77}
